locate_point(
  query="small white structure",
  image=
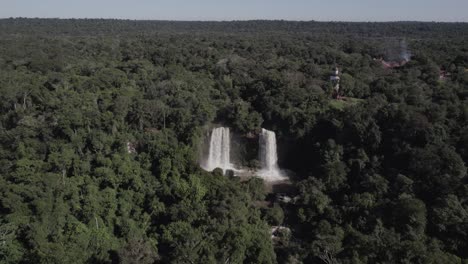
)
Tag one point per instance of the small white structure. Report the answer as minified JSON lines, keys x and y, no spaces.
{"x":283,"y":198}
{"x":335,"y":75}
{"x":276,"y":230}
{"x":335,"y":79}
{"x":131,"y":148}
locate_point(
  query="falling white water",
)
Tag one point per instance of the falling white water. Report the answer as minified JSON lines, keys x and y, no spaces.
{"x":269,"y":157}
{"x":220,"y":148}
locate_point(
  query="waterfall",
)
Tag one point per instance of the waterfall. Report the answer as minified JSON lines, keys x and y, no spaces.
{"x":220,"y":148}
{"x":269,"y":157}
{"x":219,"y":155}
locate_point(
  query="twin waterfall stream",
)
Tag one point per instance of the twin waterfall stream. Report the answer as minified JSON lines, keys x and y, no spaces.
{"x":219,"y":155}
{"x":220,"y":148}
{"x":269,"y":156}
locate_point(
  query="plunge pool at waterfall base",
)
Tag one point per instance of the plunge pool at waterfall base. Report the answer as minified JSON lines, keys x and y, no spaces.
{"x":266,"y":176}
{"x":275,"y":185}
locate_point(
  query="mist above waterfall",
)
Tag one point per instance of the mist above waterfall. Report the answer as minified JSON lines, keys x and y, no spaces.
{"x":405,"y":53}
{"x":396,"y":51}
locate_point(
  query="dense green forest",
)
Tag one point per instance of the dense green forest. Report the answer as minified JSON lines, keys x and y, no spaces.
{"x":380,"y":174}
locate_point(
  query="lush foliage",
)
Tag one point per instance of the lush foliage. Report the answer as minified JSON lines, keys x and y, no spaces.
{"x":381,"y":176}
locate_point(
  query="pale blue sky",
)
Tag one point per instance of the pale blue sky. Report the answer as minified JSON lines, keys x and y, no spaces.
{"x":321,"y":10}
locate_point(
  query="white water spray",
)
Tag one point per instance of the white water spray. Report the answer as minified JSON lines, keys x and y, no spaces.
{"x":220,"y":147}
{"x":269,"y":157}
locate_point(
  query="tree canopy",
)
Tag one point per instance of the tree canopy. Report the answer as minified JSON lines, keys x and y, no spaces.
{"x":102,"y":121}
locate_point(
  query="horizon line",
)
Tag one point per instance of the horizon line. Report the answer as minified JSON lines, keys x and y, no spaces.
{"x":237,"y":20}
